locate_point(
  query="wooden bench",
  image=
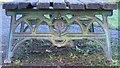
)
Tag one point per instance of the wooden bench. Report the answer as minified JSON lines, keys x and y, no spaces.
{"x":58,"y":15}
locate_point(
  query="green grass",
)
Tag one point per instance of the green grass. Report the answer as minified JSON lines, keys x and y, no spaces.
{"x":113,"y":20}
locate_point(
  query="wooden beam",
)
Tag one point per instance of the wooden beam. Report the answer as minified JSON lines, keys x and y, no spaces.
{"x":59,"y":4}
{"x":74,"y":4}
{"x":24,"y":5}
{"x":43,"y":4}
{"x":90,"y":4}
{"x":10,"y":5}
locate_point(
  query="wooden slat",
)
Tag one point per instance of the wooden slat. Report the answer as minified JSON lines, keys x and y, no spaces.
{"x":67,"y":2}
{"x":108,"y":5}
{"x":59,"y":4}
{"x":91,"y":4}
{"x":34,"y":4}
{"x":75,"y":4}
{"x":43,"y":4}
{"x":99,"y":4}
{"x":10,"y":5}
{"x":24,"y":5}
{"x":62,"y":4}
{"x":105,"y":5}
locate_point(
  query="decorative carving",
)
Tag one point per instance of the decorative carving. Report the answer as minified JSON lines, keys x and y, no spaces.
{"x":59,"y":26}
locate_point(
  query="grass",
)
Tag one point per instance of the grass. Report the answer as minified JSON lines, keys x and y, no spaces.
{"x":113,"y":20}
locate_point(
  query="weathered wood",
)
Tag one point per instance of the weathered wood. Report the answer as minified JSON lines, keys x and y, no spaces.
{"x":105,"y":5}
{"x":90,"y":4}
{"x":24,"y":5}
{"x":34,"y":4}
{"x":67,"y":3}
{"x":43,"y":4}
{"x":59,"y":4}
{"x":109,"y":6}
{"x":10,"y":5}
{"x":62,"y":4}
{"x":102,"y":4}
{"x":74,"y":4}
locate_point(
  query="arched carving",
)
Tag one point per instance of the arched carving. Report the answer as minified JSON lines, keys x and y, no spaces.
{"x":97,"y":20}
{"x":74,"y":25}
{"x":39,"y":26}
{"x":64,"y":20}
{"x":23,"y":40}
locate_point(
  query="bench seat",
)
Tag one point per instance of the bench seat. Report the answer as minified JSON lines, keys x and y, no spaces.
{"x":62,"y":4}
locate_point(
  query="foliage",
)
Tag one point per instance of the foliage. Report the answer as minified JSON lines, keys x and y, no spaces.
{"x":113,"y":20}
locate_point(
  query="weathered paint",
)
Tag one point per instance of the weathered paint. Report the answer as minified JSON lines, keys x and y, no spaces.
{"x":53,"y":36}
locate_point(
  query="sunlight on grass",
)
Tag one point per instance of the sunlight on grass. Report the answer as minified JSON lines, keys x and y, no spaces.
{"x":113,"y":20}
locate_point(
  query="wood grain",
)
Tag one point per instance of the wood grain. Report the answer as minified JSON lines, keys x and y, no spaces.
{"x":74,"y":4}
{"x":62,"y":4}
{"x":23,"y":5}
{"x":59,"y":4}
{"x":10,"y":5}
{"x":43,"y":4}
